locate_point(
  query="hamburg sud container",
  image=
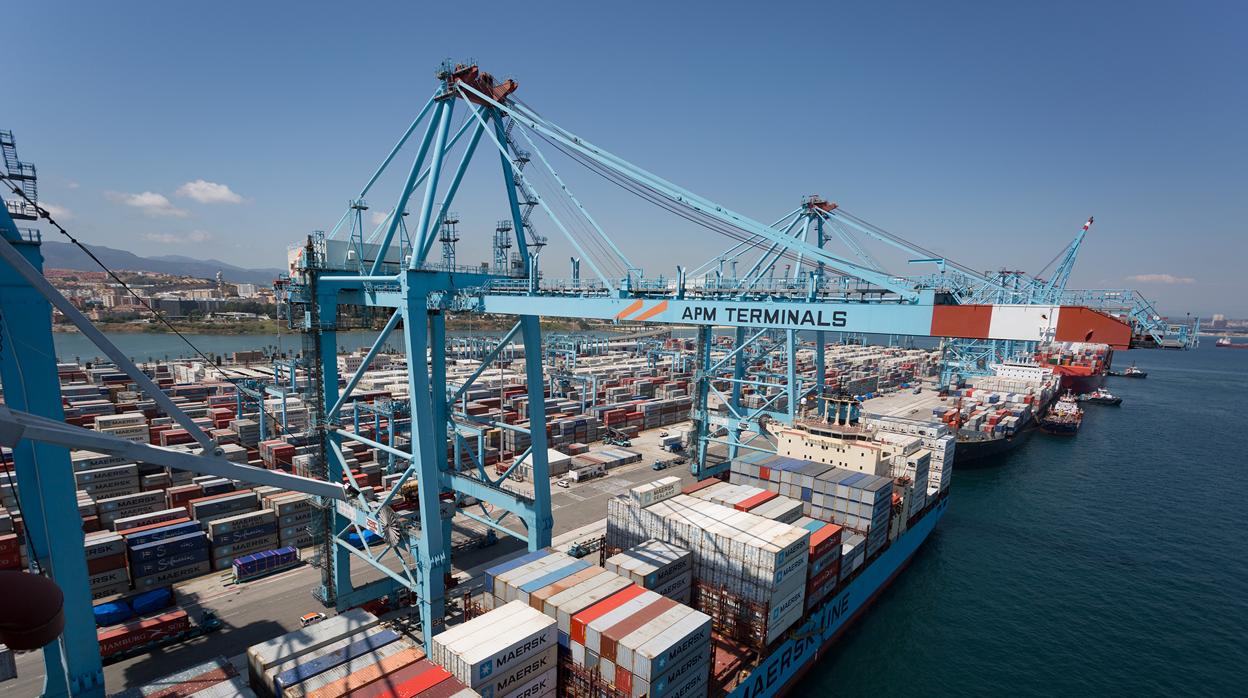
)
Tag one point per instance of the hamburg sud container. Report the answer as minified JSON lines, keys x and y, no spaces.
{"x":138,"y":633}
{"x":499,"y":652}
{"x":265,"y":655}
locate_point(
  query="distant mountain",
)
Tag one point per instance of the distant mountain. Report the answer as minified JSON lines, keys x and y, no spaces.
{"x":64,"y":255}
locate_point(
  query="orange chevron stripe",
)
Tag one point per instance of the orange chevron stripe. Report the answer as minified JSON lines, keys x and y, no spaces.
{"x":652,"y":312}
{"x":636,"y":305}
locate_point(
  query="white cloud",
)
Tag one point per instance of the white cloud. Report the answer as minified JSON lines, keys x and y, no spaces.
{"x":209,"y":193}
{"x":176,"y":239}
{"x":71,"y":184}
{"x":150,"y":203}
{"x":59,"y":213}
{"x":379,"y":217}
{"x":1161,"y":279}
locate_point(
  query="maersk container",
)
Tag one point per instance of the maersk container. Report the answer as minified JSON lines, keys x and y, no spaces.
{"x":365,"y":644}
{"x":498,"y":647}
{"x":103,"y":545}
{"x":690,"y":670}
{"x":264,"y":655}
{"x":539,"y":686}
{"x":444,"y":642}
{"x":506,"y":684}
{"x":627,"y":645}
{"x":167,"y":577}
{"x":245,"y":520}
{"x":689,"y":634}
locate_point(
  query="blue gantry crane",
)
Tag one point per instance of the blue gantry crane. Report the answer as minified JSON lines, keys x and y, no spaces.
{"x":391,"y":272}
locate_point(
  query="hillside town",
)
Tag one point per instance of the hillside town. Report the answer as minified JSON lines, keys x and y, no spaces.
{"x":176,"y":298}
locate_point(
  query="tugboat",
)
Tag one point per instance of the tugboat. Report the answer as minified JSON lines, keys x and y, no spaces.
{"x":1226,"y":343}
{"x":1101,"y":396}
{"x":1064,"y":418}
{"x":1131,"y":372}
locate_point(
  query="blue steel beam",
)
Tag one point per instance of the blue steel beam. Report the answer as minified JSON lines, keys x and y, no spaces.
{"x":686,"y":198}
{"x":45,"y":476}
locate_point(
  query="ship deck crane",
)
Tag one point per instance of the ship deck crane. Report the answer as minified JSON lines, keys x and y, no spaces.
{"x":416,"y":292}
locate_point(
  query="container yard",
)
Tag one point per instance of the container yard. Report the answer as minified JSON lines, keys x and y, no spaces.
{"x":696,"y":497}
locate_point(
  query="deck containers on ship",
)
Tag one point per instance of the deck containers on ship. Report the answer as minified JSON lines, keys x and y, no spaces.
{"x":857,"y":501}
{"x":499,"y":652}
{"x":264,"y":656}
{"x":612,"y":634}
{"x":749,"y":572}
{"x":655,"y":565}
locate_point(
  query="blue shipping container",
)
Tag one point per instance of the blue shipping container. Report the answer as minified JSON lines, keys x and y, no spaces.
{"x":243,"y":534}
{"x":168,"y":562}
{"x":169,"y":546}
{"x":162,"y":533}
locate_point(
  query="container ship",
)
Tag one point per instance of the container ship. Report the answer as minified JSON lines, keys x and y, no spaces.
{"x":997,"y":413}
{"x":1082,"y":366}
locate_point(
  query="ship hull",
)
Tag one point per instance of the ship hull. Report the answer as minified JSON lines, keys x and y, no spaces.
{"x":1060,"y":429}
{"x":978,"y":454}
{"x":1081,"y":384}
{"x":781,"y":672}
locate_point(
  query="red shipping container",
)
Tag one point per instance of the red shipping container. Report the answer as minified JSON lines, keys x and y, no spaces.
{"x":419,"y":684}
{"x":824,"y":540}
{"x":700,"y":485}
{"x":106,"y":563}
{"x":589,"y":615}
{"x":8,"y":543}
{"x":142,"y":632}
{"x":750,"y":502}
{"x":11,"y":561}
{"x":152,"y":527}
{"x":381,"y":687}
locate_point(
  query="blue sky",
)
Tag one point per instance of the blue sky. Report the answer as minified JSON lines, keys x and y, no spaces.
{"x":986,"y":131}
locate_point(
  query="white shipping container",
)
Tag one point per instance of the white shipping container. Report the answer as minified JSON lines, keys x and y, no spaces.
{"x":500,"y":647}
{"x":294,"y":644}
